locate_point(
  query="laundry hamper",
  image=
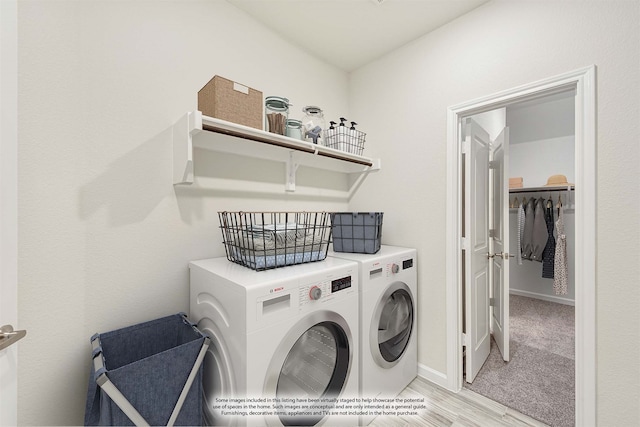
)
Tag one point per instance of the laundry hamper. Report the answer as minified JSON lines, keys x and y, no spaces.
{"x":147,"y":374}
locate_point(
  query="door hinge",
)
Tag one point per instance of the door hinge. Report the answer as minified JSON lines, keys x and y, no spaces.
{"x":493,"y":164}
{"x":492,"y":233}
{"x":464,"y":243}
{"x":464,"y":339}
{"x":466,"y":144}
{"x":492,"y":302}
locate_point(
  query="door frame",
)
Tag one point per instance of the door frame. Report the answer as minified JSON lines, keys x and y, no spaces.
{"x":583,"y":81}
{"x":8,"y":204}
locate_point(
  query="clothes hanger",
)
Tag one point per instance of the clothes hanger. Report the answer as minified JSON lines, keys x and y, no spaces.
{"x":559,"y":204}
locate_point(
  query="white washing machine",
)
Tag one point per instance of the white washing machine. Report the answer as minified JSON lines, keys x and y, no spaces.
{"x":388,"y":335}
{"x":278,"y":336}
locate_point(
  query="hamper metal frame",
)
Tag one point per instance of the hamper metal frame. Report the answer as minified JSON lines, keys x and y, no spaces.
{"x":100,"y":372}
{"x":267,"y":240}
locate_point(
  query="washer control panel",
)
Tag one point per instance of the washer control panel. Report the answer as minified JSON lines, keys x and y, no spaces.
{"x":340,"y":284}
{"x":321,"y":291}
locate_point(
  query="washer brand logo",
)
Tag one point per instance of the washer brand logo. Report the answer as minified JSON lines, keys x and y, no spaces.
{"x":281,"y":288}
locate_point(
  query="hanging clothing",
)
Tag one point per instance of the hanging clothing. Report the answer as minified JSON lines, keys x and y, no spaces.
{"x":549,"y":254}
{"x":539,"y":234}
{"x":521,"y":220}
{"x":527,"y":236}
{"x":561,"y":269}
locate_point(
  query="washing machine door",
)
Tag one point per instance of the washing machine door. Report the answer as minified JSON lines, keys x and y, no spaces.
{"x":313,"y":362}
{"x":392,"y":325}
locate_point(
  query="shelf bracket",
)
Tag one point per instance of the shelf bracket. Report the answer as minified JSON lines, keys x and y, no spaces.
{"x":292,"y":168}
{"x":182,"y":135}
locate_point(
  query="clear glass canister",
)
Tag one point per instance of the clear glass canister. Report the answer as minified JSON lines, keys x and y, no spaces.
{"x":313,"y":124}
{"x":294,"y":129}
{"x":276,"y":110}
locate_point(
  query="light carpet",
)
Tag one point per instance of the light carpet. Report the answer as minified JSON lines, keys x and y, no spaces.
{"x":539,"y":380}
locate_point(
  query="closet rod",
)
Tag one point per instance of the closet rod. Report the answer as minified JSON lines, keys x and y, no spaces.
{"x":539,"y":189}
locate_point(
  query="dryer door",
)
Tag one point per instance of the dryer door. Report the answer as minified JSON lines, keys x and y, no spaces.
{"x":313,"y":362}
{"x":392,"y":325}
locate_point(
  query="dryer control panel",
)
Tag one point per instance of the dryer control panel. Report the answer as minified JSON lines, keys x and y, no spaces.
{"x":398,"y":266}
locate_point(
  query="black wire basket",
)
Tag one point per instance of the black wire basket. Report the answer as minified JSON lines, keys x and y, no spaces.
{"x":267,"y":240}
{"x":344,"y":139}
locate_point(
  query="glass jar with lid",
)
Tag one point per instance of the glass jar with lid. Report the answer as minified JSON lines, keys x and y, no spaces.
{"x":294,"y":129}
{"x":276,"y":110}
{"x":313,"y":124}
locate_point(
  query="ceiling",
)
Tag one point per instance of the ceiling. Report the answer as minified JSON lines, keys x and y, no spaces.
{"x":352,"y":33}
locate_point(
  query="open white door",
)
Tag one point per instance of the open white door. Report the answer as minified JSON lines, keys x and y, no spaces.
{"x":476,"y":202}
{"x":500,"y":242}
{"x":8,"y":208}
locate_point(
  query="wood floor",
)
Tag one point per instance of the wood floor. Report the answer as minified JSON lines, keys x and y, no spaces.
{"x":445,"y":408}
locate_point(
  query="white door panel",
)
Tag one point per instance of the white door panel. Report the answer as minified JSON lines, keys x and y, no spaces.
{"x":500,"y":241}
{"x":476,"y":266}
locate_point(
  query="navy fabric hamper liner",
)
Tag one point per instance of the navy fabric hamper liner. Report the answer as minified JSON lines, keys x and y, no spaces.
{"x":356,"y":232}
{"x":147,"y":374}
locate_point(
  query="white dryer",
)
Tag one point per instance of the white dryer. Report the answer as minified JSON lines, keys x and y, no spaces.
{"x":388,"y":335}
{"x":278,"y":336}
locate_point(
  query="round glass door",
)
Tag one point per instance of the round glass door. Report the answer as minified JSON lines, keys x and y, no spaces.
{"x":392,"y":325}
{"x":316,"y":367}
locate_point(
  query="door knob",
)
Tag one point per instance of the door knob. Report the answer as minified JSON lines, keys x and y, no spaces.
{"x":504,"y":255}
{"x":500,"y":255}
{"x":8,"y":336}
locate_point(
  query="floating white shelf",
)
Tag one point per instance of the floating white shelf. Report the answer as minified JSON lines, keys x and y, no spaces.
{"x":194,"y":130}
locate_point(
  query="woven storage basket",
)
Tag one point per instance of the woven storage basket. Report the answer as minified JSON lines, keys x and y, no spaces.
{"x":227,"y":100}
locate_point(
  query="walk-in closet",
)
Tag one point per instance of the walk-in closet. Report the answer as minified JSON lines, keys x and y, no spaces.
{"x":538,"y":380}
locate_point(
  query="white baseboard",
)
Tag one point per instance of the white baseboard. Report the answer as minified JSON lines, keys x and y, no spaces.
{"x":552,"y":298}
{"x":433,"y":376}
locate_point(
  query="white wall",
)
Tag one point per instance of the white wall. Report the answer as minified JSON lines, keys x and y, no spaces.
{"x":525,"y":160}
{"x":542,"y":140}
{"x":104,"y":237}
{"x":402,"y":99}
